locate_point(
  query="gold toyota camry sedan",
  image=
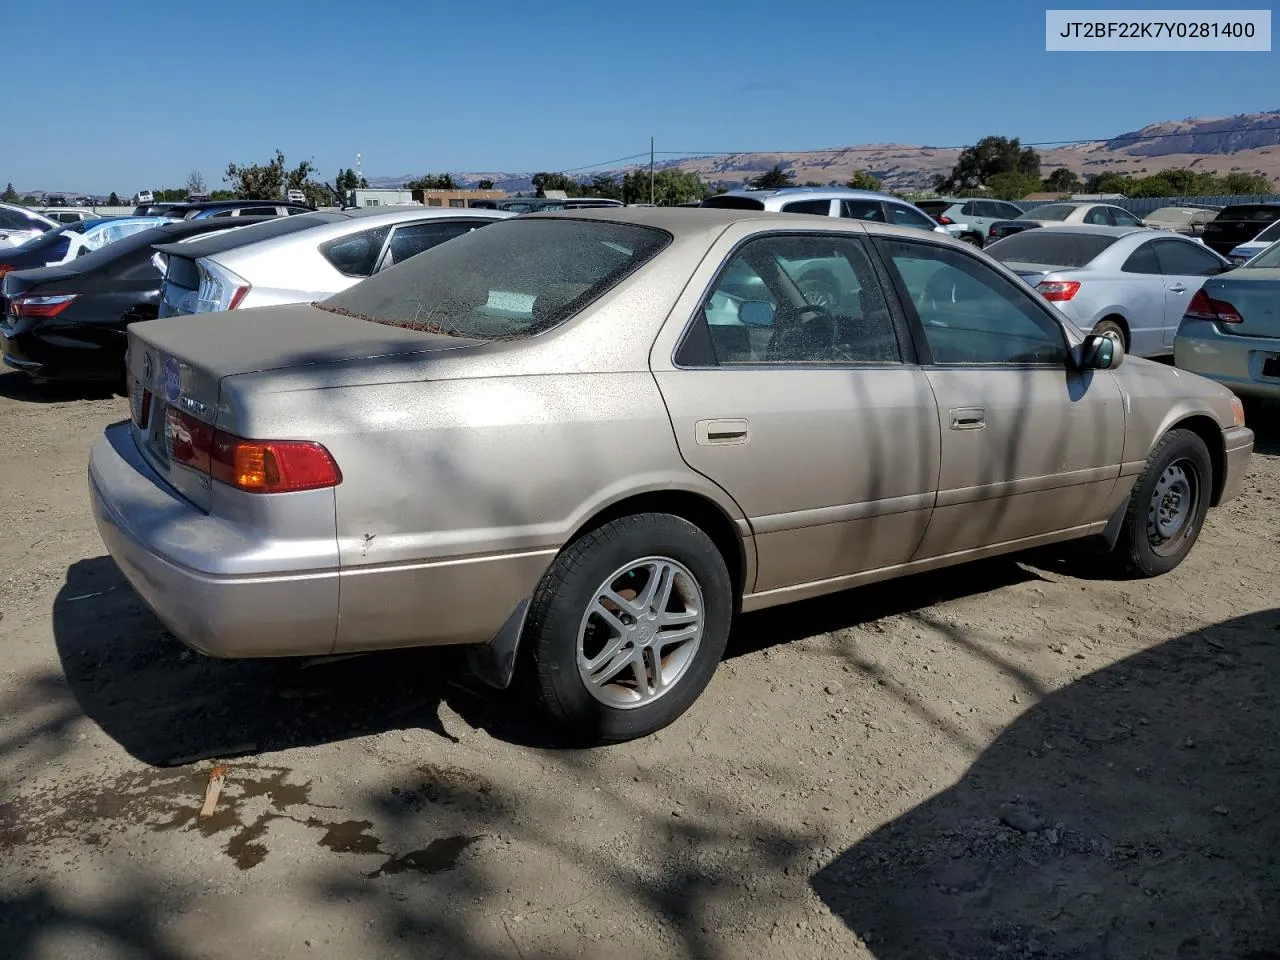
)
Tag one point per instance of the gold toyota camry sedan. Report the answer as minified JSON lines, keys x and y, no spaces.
{"x":581,"y":443}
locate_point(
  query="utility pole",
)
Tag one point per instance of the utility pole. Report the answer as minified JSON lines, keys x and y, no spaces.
{"x":651,"y":170}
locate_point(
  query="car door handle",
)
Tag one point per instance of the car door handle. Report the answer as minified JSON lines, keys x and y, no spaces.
{"x":1178,"y":289}
{"x":968,"y":418}
{"x":717,"y":432}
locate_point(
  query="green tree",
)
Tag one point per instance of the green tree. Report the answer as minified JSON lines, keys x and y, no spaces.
{"x":1063,"y":181}
{"x":433,"y":181}
{"x":348,"y":179}
{"x":988,"y":158}
{"x":484,"y":185}
{"x":113,"y":200}
{"x":10,"y":195}
{"x":1013,"y":185}
{"x":773,"y":179}
{"x":1106,"y":183}
{"x":1246,"y":183}
{"x":545,"y":180}
{"x":862,"y":180}
{"x":601,"y":185}
{"x":270,"y":180}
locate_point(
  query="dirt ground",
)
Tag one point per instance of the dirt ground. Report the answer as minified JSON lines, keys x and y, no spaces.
{"x":1011,"y":759}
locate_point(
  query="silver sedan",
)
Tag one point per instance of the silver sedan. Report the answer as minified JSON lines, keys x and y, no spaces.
{"x":1231,"y":332}
{"x":303,"y":258}
{"x":1128,"y":283}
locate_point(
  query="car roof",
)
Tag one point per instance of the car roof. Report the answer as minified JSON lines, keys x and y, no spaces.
{"x":394,"y":213}
{"x":689,"y":222}
{"x":816,"y":193}
{"x":218,"y":204}
{"x":1098,"y":230}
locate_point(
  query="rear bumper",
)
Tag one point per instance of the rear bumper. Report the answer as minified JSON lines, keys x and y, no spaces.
{"x":145,"y":526}
{"x":1232,"y":360}
{"x":1238,"y":443}
{"x":70,"y":352}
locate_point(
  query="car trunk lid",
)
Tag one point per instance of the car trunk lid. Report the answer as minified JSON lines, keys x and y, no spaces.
{"x":176,"y":366}
{"x":1255,"y":293}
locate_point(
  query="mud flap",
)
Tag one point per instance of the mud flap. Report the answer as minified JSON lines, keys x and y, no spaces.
{"x":1111,"y":532}
{"x":495,"y":662}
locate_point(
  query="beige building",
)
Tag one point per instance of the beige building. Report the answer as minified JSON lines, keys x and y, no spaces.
{"x":455,"y":198}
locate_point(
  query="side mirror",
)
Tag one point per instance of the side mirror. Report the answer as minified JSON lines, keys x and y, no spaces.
{"x":1100,"y":353}
{"x":756,"y":313}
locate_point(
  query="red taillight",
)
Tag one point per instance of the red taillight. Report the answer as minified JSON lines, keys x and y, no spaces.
{"x":238,"y":296}
{"x":272,"y":466}
{"x":1057,"y":291}
{"x":945,"y":220}
{"x":1205,"y":307}
{"x":254,"y":466}
{"x":47,"y":306}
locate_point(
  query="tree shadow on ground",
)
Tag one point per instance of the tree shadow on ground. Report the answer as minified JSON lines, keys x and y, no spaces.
{"x":1130,"y":814}
{"x":167,"y":705}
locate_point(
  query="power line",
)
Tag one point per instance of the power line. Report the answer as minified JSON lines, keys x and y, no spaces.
{"x":605,"y":163}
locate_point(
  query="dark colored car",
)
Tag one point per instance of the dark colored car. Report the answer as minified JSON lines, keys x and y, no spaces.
{"x":234,"y":208}
{"x":153,"y":209}
{"x":1239,"y":224}
{"x":68,"y":322}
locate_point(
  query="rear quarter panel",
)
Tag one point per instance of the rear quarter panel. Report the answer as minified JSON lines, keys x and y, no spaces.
{"x":457,"y":493}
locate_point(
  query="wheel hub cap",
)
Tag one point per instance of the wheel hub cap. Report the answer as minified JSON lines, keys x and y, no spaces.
{"x":640,"y":632}
{"x":1173,"y":503}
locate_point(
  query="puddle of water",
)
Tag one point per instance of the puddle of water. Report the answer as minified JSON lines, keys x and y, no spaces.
{"x":436,"y":857}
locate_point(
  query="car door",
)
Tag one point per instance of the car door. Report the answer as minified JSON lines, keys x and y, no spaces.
{"x":1185,"y":265}
{"x":1031,"y":448}
{"x":792,"y":388}
{"x":1143,"y":296}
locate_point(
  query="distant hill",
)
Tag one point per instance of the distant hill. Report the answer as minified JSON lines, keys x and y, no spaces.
{"x":1246,"y":143}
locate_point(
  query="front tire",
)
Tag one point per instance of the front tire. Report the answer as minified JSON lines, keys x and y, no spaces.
{"x":1167,"y":507}
{"x":627,"y":626}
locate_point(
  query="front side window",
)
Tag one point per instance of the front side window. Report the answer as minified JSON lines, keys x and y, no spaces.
{"x":785,"y":299}
{"x":415,"y":238}
{"x":1099,"y":216}
{"x":1124,"y":218}
{"x":1182,"y":258}
{"x":510,"y":280}
{"x":970,"y":313}
{"x":904,"y":216}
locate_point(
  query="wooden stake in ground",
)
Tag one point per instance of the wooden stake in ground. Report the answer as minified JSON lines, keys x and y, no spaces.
{"x":217,"y":777}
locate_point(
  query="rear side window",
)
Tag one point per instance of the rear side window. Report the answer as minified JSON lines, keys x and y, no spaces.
{"x":1142,"y":260}
{"x":1056,"y":248}
{"x":795,"y":299}
{"x":972,"y":209}
{"x":820,"y":207}
{"x":511,"y":280}
{"x":862,"y":210}
{"x":357,"y":254}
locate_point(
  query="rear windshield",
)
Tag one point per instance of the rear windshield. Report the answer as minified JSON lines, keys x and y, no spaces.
{"x":1052,"y":248}
{"x":511,"y":280}
{"x":1050,"y":211}
{"x":934,"y":207}
{"x":734,"y":203}
{"x":1250,"y":211}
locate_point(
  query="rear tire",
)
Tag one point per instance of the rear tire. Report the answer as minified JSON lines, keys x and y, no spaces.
{"x":973,"y":239}
{"x":627,"y":626}
{"x":1167,"y":507}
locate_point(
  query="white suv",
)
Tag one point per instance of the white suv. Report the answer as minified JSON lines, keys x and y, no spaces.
{"x":833,"y":202}
{"x":18,"y":225}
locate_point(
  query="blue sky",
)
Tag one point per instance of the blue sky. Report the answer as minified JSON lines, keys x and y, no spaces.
{"x":498,"y":87}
